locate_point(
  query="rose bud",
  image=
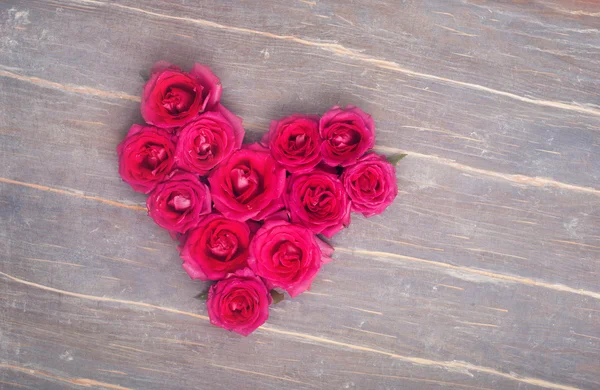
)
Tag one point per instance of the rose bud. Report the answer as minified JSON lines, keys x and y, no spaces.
{"x":145,"y":157}
{"x":295,"y":142}
{"x":171,"y":97}
{"x":209,"y":139}
{"x":217,"y":247}
{"x":318,"y":201}
{"x":370,"y":184}
{"x":249,"y":185}
{"x":239,"y":303}
{"x":347,"y":134}
{"x":178,"y":202}
{"x":287,"y":256}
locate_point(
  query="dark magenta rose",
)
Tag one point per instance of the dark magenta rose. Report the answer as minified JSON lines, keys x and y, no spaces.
{"x":146,"y":156}
{"x":370,"y":184}
{"x":347,"y":134}
{"x":287,"y":256}
{"x":217,"y":247}
{"x":295,"y":142}
{"x":249,"y":185}
{"x":318,"y":201}
{"x":178,"y":202}
{"x":209,"y":139}
{"x":239,"y":303}
{"x":171,"y":97}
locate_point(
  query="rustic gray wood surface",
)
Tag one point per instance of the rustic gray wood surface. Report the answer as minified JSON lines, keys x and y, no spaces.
{"x":484,"y":274}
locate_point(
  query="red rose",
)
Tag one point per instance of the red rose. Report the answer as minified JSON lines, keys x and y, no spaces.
{"x":295,"y":142}
{"x":177,"y":203}
{"x":318,"y":201}
{"x":145,"y":157}
{"x":209,"y":139}
{"x":171,"y":97}
{"x":217,"y":247}
{"x":239,"y":303}
{"x":370,"y":184}
{"x":347,"y":134}
{"x":287,"y":255}
{"x":249,"y":185}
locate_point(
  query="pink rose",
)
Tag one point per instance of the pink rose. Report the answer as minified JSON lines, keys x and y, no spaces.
{"x":370,"y":184}
{"x":177,"y":203}
{"x":249,"y":185}
{"x":171,"y":97}
{"x":318,"y":201}
{"x":288,"y":256}
{"x":347,"y":134}
{"x":239,"y":303}
{"x":209,"y":139}
{"x":145,"y":157}
{"x":295,"y":142}
{"x":217,"y":247}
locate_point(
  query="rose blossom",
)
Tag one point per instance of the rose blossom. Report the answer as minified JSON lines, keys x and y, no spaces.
{"x":287,"y":255}
{"x":209,"y":139}
{"x":249,"y":185}
{"x":177,"y":203}
{"x":145,"y":157}
{"x":370,"y":184}
{"x":217,"y":247}
{"x":295,"y":142}
{"x":318,"y":201}
{"x":171,"y":97}
{"x":347,"y":134}
{"x":239,"y":303}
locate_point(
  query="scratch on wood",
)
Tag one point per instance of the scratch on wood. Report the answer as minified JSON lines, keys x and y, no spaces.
{"x":369,"y":332}
{"x":75,"y":194}
{"x":71,"y":88}
{"x":448,"y":286}
{"x":548,"y":151}
{"x":461,"y":237}
{"x":489,"y":274}
{"x":477,"y":324}
{"x":181,"y":342}
{"x":577,"y":244}
{"x":52,"y":261}
{"x":113,"y":371}
{"x":366,"y":311}
{"x":586,"y":336}
{"x":409,"y":244}
{"x":495,"y":253}
{"x":154,"y":370}
{"x":455,"y":31}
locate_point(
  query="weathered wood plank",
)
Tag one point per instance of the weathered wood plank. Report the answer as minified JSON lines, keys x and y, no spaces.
{"x":483,"y":274}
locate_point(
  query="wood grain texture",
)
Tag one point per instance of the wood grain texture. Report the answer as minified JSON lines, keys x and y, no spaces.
{"x":484,"y":274}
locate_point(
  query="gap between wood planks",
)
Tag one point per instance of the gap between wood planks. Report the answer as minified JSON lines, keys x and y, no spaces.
{"x":484,"y":273}
{"x":455,"y":366}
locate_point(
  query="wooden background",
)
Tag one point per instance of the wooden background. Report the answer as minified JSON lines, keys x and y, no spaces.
{"x":484,"y":274}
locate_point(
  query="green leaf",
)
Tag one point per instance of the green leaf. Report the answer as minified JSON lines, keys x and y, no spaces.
{"x":202,"y":296}
{"x":396,"y":158}
{"x":144,"y":75}
{"x":277,"y":296}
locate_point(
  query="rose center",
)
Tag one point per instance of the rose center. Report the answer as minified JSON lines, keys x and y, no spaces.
{"x":244,"y":182}
{"x":223,"y":245}
{"x":178,"y":202}
{"x":317,"y":199}
{"x":344,"y":137}
{"x":154,"y":155}
{"x":178,"y":99}
{"x":204,"y":148}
